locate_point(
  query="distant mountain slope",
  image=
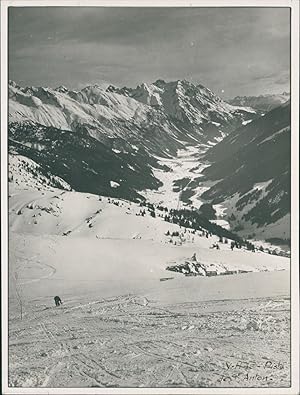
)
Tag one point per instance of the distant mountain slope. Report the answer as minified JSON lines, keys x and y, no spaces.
{"x":263,"y":103}
{"x":260,"y":128}
{"x":107,"y":140}
{"x":251,"y":173}
{"x":86,"y":164}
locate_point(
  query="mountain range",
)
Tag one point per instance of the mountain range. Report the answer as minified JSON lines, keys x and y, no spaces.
{"x":97,"y":136}
{"x":109,"y":141}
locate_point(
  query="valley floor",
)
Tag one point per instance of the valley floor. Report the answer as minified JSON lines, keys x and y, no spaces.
{"x":184,"y":166}
{"x":127,"y":322}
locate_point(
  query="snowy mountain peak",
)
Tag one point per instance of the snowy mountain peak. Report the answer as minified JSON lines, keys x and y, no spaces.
{"x":62,"y":89}
{"x":121,"y":91}
{"x":185,"y":102}
{"x":147,"y":94}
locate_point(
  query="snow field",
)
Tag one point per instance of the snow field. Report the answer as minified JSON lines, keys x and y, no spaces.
{"x":121,"y":326}
{"x":126,"y":321}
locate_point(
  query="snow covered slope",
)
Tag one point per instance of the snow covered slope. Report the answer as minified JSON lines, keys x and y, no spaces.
{"x":24,"y":173}
{"x":127,"y":322}
{"x":123,"y":313}
{"x":74,"y":214}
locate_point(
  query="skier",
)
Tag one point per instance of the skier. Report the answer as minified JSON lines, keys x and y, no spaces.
{"x":57,"y":300}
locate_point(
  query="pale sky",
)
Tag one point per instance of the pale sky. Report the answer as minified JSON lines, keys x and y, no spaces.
{"x":232,"y":51}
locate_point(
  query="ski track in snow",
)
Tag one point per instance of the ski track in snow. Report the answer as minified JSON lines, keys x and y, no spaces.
{"x":117,"y":342}
{"x":179,"y":333}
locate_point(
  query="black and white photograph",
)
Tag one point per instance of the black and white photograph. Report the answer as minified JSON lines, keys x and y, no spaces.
{"x":149,"y":158}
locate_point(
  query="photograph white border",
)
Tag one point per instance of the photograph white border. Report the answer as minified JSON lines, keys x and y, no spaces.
{"x":294,"y":5}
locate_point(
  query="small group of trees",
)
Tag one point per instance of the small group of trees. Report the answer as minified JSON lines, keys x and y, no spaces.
{"x":141,"y":213}
{"x":161,"y":208}
{"x":196,"y":221}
